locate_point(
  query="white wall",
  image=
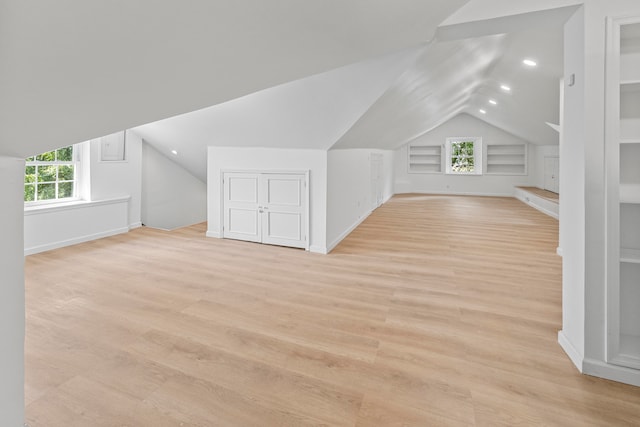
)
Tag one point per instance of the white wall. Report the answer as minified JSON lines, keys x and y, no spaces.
{"x":461,"y":125}
{"x":47,"y":228}
{"x":311,"y":113}
{"x":11,"y":292}
{"x":349,"y":189}
{"x":112,"y":193}
{"x":172,"y":197}
{"x":538,"y":153}
{"x":271,"y":159}
{"x":119,"y":179}
{"x":572,"y":187}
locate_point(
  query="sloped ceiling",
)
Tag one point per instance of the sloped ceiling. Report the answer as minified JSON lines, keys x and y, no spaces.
{"x":74,"y":70}
{"x":436,"y":87}
{"x":386,"y":102}
{"x":482,"y":10}
{"x":462,"y":70}
{"x":310,"y":113}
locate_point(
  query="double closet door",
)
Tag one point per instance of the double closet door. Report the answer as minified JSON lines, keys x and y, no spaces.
{"x":269,"y":208}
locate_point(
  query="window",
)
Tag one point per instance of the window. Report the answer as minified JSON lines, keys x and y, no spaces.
{"x":464,"y":156}
{"x":51,"y":176}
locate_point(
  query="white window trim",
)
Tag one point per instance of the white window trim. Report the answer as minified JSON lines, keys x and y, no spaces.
{"x":477,"y":154}
{"x":77,"y":163}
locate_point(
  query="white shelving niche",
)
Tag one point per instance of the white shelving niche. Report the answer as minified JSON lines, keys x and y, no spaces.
{"x":506,"y":159}
{"x":623,"y":193}
{"x":425,"y":158}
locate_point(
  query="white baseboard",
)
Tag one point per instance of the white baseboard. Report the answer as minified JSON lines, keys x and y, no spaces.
{"x":571,"y":351}
{"x":215,"y":234}
{"x":74,"y":241}
{"x":598,"y":368}
{"x":348,"y":231}
{"x":559,"y":251}
{"x":135,"y":225}
{"x":318,"y":249}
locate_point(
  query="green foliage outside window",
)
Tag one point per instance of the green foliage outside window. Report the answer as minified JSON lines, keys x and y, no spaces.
{"x":462,"y":157}
{"x":50,"y":175}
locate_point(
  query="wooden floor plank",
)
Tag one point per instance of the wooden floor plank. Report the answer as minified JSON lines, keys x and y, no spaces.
{"x":437,"y":310}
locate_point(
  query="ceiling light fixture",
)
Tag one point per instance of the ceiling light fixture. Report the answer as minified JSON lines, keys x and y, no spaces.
{"x":482,"y":111}
{"x":529,"y":62}
{"x":493,"y":102}
{"x":505,"y":88}
{"x":174,"y":152}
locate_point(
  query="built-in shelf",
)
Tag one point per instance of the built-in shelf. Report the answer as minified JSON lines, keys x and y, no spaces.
{"x":629,"y":355}
{"x":425,"y":162}
{"x":425,"y":158}
{"x":631,"y":256}
{"x":630,"y":344}
{"x":623,"y":200}
{"x":627,"y":86}
{"x":508,"y":159}
{"x":630,"y":193}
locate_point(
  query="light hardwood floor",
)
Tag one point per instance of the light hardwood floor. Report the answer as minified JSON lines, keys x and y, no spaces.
{"x":435,"y":311}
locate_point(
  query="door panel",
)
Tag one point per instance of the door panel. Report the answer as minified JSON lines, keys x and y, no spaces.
{"x":284,"y":210}
{"x":241,"y":214}
{"x":243,"y":189}
{"x":283,"y":226}
{"x":243,"y":221}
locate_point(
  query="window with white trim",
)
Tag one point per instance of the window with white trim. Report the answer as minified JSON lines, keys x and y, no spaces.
{"x":464,"y":156}
{"x":51,"y":176}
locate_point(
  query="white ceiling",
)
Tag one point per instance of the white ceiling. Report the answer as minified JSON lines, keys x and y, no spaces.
{"x":310,"y":113}
{"x":75,"y":70}
{"x":462,"y":70}
{"x":386,"y":102}
{"x":273,"y":75}
{"x":439,"y":85}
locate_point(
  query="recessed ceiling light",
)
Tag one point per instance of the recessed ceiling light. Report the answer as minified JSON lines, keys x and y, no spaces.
{"x":529,"y":62}
{"x":174,"y":152}
{"x":493,"y":102}
{"x":482,"y":111}
{"x":505,"y":88}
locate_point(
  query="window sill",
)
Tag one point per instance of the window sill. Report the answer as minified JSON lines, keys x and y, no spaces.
{"x":70,"y":205}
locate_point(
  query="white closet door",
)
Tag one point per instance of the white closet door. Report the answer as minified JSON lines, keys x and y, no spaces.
{"x":283,"y":206}
{"x":376,"y":180}
{"x":551,"y":173}
{"x":241,"y":202}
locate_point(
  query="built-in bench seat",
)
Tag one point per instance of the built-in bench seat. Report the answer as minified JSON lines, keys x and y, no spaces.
{"x":545,"y":201}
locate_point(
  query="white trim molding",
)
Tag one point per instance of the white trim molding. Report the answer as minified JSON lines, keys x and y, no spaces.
{"x":572,"y":352}
{"x":598,"y":368}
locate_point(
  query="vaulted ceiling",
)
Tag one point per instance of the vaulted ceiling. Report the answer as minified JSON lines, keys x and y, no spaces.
{"x":75,"y":70}
{"x":323,"y":74}
{"x":388,"y":101}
